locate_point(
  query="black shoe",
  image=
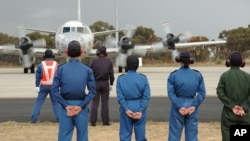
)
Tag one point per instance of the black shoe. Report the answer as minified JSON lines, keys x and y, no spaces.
{"x":106,"y":124}
{"x":93,"y":124}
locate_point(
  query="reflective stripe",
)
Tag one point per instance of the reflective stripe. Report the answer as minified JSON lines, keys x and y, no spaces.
{"x":49,"y":68}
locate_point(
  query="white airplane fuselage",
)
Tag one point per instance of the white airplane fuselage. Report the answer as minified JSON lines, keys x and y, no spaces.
{"x":74,"y":30}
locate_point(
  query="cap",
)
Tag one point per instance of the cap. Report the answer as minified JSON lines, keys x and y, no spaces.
{"x":132,"y":62}
{"x":74,"y":49}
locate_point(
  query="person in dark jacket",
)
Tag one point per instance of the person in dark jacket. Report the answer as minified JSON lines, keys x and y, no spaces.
{"x":104,"y":78}
{"x":45,"y":73}
{"x":133,"y":95}
{"x":71,"y":81}
{"x":186,"y":91}
{"x":233,"y":90}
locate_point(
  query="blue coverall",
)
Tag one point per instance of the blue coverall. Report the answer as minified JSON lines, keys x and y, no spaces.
{"x":70,"y":83}
{"x":133,"y":93}
{"x":185,"y":88}
{"x":42,"y":94}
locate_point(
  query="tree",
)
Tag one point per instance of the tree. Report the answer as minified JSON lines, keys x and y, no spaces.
{"x":50,"y":42}
{"x":99,"y":26}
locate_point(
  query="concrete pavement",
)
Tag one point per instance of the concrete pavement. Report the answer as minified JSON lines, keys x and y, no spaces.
{"x":17,"y":95}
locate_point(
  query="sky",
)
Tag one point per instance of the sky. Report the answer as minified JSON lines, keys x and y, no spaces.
{"x":200,"y":17}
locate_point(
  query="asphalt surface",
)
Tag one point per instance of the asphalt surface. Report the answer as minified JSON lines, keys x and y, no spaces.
{"x":19,"y":110}
{"x":17,"y":95}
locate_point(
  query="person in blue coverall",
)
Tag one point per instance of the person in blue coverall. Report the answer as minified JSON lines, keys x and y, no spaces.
{"x":186,"y":91}
{"x":44,"y":78}
{"x":133,"y":95}
{"x":70,"y":83}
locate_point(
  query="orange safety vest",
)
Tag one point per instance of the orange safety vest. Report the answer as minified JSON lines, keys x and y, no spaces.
{"x":49,"y":69}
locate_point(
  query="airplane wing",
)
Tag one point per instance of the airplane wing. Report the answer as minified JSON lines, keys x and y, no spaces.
{"x":9,"y":49}
{"x":141,"y":50}
{"x":42,"y":30}
{"x":112,"y":52}
{"x":108,"y":32}
{"x":42,"y":50}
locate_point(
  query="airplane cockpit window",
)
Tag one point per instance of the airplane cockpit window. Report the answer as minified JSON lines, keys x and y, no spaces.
{"x":80,"y":29}
{"x":66,"y":29}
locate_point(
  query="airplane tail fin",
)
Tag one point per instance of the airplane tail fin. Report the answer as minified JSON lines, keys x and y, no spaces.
{"x":79,"y":10}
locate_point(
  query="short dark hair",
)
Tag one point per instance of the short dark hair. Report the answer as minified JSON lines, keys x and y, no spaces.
{"x":132,"y":62}
{"x":74,"y":49}
{"x":48,"y":53}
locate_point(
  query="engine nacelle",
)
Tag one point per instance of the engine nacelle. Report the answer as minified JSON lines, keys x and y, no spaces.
{"x":171,"y":39}
{"x":125,"y":44}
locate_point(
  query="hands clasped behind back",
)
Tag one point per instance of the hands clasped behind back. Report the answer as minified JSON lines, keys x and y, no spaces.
{"x":73,"y":110}
{"x":134,"y":115}
{"x":186,"y":111}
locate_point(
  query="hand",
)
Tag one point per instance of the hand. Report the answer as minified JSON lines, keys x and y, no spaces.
{"x":73,"y":110}
{"x":77,"y":109}
{"x":137,"y":115}
{"x":130,"y":113}
{"x":238,"y":110}
{"x":183,"y":111}
{"x":191,"y":110}
{"x":110,"y":88}
{"x":37,"y":89}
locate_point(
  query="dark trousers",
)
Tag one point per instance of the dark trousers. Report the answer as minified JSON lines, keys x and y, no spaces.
{"x":102,"y":91}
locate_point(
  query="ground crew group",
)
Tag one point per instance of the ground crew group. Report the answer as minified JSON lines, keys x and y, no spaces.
{"x":73,"y":85}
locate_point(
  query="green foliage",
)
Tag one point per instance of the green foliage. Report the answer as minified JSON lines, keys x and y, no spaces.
{"x":144,"y":35}
{"x":5,"y":39}
{"x":50,"y":42}
{"x":218,"y":61}
{"x":98,"y":27}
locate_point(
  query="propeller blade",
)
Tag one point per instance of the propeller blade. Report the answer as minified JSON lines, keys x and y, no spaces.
{"x":110,"y":42}
{"x":39,"y":43}
{"x":174,"y":53}
{"x":185,"y":37}
{"x":121,"y":60}
{"x":138,"y":50}
{"x":166,"y":27}
{"x":21,"y":30}
{"x":130,"y":31}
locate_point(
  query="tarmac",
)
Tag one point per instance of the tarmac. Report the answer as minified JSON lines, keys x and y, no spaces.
{"x":17,"y":95}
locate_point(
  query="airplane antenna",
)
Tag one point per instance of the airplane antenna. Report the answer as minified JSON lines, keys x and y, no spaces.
{"x":116,"y":21}
{"x":79,"y":10}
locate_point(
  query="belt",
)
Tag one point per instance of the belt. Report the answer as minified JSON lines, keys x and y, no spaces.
{"x":183,"y":96}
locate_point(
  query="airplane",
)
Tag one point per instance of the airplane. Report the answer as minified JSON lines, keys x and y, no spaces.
{"x":25,"y":50}
{"x":76,"y":30}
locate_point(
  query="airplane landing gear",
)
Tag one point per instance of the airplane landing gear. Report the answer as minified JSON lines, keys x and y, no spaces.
{"x":25,"y":70}
{"x":120,"y":69}
{"x":32,"y":69}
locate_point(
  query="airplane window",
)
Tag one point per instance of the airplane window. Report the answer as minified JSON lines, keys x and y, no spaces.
{"x":66,"y":29}
{"x":80,"y":29}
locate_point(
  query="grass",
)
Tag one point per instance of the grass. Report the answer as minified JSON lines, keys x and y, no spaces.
{"x":47,"y":131}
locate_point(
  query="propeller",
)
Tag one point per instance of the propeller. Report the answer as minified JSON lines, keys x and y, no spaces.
{"x":125,"y":46}
{"x":110,"y":42}
{"x":171,"y":39}
{"x":26,"y":43}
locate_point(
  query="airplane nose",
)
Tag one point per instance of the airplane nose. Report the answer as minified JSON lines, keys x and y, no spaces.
{"x":67,"y":39}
